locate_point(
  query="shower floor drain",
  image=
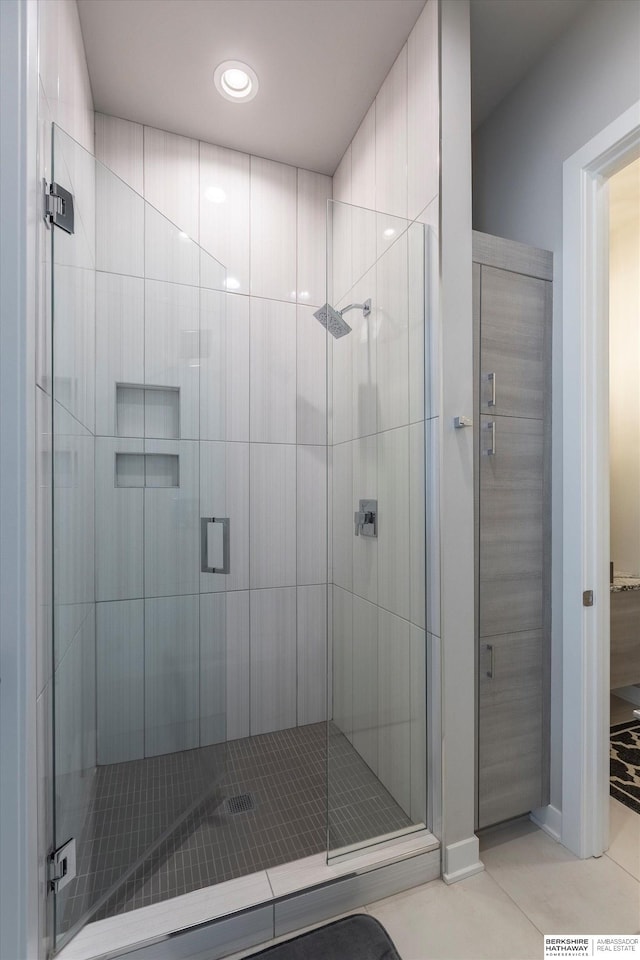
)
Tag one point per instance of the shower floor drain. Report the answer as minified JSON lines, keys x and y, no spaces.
{"x":240,"y":804}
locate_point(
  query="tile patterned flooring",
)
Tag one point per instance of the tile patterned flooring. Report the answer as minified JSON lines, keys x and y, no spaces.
{"x":285,"y":773}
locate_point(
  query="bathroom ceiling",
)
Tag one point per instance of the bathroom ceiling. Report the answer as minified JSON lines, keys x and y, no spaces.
{"x":319,"y":63}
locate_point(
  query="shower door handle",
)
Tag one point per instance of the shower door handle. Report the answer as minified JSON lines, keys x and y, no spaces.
{"x":491,"y":377}
{"x":205,"y":566}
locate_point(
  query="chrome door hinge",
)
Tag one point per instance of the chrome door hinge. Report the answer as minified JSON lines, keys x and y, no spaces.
{"x":58,"y":206}
{"x":62,"y":865}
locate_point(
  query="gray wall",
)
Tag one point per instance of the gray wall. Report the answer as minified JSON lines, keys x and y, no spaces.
{"x":584,"y":82}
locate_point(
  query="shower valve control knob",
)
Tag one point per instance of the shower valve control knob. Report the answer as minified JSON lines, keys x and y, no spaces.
{"x":366,"y":519}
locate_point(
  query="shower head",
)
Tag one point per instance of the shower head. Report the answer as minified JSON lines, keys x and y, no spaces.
{"x":334,"y":321}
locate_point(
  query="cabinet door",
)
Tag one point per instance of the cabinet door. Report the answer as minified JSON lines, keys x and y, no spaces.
{"x":511,"y":525}
{"x":515,"y":325}
{"x":510,"y":726}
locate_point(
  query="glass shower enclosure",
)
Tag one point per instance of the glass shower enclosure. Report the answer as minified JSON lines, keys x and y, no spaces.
{"x":166,"y":775}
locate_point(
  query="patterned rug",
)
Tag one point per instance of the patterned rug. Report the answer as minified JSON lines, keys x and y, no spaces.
{"x":625,"y":764}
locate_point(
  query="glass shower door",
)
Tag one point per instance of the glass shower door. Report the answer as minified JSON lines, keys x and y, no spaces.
{"x":377,"y":738}
{"x":144,"y":544}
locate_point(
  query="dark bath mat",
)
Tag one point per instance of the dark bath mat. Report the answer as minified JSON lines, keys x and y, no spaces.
{"x":625,"y":764}
{"x":359,"y":937}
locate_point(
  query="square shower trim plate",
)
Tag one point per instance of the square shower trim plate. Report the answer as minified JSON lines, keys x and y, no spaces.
{"x":252,"y":910}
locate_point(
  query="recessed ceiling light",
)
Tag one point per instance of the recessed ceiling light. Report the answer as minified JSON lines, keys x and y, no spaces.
{"x":235,"y":81}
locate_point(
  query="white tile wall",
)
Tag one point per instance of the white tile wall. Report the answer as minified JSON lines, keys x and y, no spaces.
{"x":273,"y":659}
{"x":418,"y":664}
{"x":119,"y":524}
{"x":342,"y":516}
{"x":342,"y":661}
{"x":273,"y":371}
{"x":238,"y":345}
{"x":394,"y":706}
{"x":311,"y":522}
{"x":119,"y":146}
{"x":171,"y":684}
{"x":44,"y":608}
{"x":417,"y":317}
{"x":365,"y":681}
{"x":120,"y":681}
{"x":391,"y":140}
{"x":172,"y":346}
{"x":417,"y":523}
{"x":365,"y":399}
{"x":314,"y":190}
{"x":238,"y":665}
{"x":119,"y":343}
{"x":273,"y":229}
{"x":365,"y":487}
{"x":433,"y":525}
{"x":224,"y":492}
{"x":172,"y":525}
{"x":423,"y":111}
{"x":393,"y":336}
{"x":363,"y":163}
{"x":273,"y":515}
{"x":213,"y":668}
{"x":120,"y":226}
{"x":312,"y":653}
{"x":169,"y":253}
{"x":311,"y":390}
{"x":172,"y":178}
{"x":394,"y":522}
{"x":225,"y":211}
{"x":74,"y":342}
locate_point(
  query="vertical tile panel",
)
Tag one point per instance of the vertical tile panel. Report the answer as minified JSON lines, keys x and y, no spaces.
{"x":119,"y":534}
{"x":172,"y":526}
{"x":393,"y":336}
{"x":364,"y":356}
{"x":312,"y":514}
{"x":120,"y":234}
{"x":423,"y":101}
{"x":342,"y":417}
{"x":224,"y":492}
{"x":74,"y":342}
{"x":44,"y":558}
{"x":391,"y":140}
{"x":273,"y":371}
{"x":119,"y":343}
{"x":417,"y":501}
{"x":171,"y":651}
{"x":120,"y":681}
{"x":416,"y":321}
{"x":311,"y":378}
{"x":238,"y":665}
{"x":225,"y":211}
{"x":418,"y":809}
{"x":214,"y":373}
{"x":342,"y":516}
{"x":172,"y":346}
{"x":213,"y":668}
{"x":171,"y":255}
{"x":172,"y":178}
{"x":273,"y":229}
{"x":237,"y":360}
{"x":44,"y":810}
{"x":363,"y":194}
{"x":342,"y":661}
{"x":273,"y":515}
{"x":365,"y":487}
{"x":394,"y":521}
{"x":119,"y":146}
{"x":365,"y":681}
{"x":273,"y":659}
{"x":342,"y":178}
{"x":314,"y":190}
{"x":432,"y":477}
{"x":312,"y":654}
{"x":394,"y":676}
{"x":432,"y":311}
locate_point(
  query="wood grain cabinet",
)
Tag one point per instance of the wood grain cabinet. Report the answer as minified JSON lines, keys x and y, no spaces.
{"x":512,"y":417}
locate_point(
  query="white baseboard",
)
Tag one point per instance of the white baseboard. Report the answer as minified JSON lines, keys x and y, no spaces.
{"x":462,"y":860}
{"x":549,"y":819}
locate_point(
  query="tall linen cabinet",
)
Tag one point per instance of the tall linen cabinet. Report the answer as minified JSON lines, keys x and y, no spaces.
{"x":512,"y":286}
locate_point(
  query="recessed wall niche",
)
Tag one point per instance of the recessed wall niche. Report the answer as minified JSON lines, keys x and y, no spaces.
{"x":147,"y":411}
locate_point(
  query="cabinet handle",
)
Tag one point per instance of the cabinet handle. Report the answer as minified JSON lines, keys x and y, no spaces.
{"x":491,"y":452}
{"x":490,"y":670}
{"x":491,"y":377}
{"x":204,"y":544}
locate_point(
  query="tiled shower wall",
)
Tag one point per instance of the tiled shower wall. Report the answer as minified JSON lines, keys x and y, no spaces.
{"x":384,"y":628}
{"x":265,"y":221}
{"x":64,"y":98}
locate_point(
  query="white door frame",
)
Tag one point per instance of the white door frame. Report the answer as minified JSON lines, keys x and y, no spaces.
{"x":585,"y":485}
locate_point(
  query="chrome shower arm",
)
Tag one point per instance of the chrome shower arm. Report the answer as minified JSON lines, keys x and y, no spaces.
{"x":365,"y":307}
